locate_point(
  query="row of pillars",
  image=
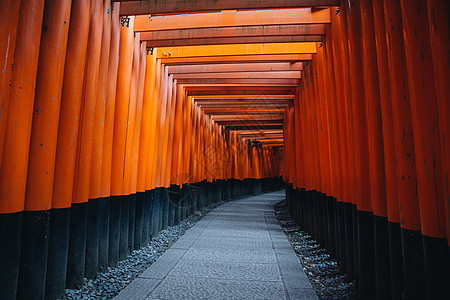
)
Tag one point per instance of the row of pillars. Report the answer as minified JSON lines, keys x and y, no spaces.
{"x":93,"y":132}
{"x":367,"y":158}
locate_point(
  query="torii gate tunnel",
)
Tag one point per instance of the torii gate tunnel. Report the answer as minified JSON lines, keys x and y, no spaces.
{"x":120,"y":118}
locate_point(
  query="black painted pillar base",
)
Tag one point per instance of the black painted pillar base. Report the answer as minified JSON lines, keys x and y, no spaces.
{"x":366,"y":255}
{"x":342,"y":242}
{"x":131,"y":222}
{"x":165,"y":208}
{"x":124,"y":226}
{"x":349,"y":244}
{"x":395,"y":260}
{"x":91,"y":260}
{"x":77,"y":245}
{"x":57,"y":253}
{"x":139,"y":220}
{"x":437,"y":267}
{"x":413,"y":264}
{"x":103,"y":233}
{"x":10,"y":241}
{"x":382,"y":273}
{"x":172,"y":205}
{"x":175,"y":198}
{"x":146,"y":212}
{"x":33,"y":255}
{"x":114,"y":230}
{"x":152,"y":215}
{"x":157,"y":211}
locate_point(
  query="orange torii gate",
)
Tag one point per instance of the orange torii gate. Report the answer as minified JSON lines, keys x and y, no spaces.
{"x":120,"y":118}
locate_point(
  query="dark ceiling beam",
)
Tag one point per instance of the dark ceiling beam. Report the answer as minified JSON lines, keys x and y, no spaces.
{"x":232,"y":18}
{"x":233,"y":40}
{"x":241,"y":31}
{"x":242,"y":75}
{"x":168,"y":7}
{"x":229,"y":59}
{"x":245,"y":67}
{"x":292,"y":82}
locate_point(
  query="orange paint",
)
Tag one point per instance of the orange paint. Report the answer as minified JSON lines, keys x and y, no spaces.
{"x":121,"y":109}
{"x":9,"y":18}
{"x":424,"y":112}
{"x":69,"y":115}
{"x":401,"y":112}
{"x":20,"y":109}
{"x":110,"y":102}
{"x":44,"y":131}
{"x":86,"y":130}
{"x":100,"y":107}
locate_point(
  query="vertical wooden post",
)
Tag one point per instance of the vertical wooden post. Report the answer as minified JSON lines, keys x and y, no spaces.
{"x":438,"y":12}
{"x":9,"y":18}
{"x":17,"y":137}
{"x":83,"y":239}
{"x":41,"y":163}
{"x":112,"y":202}
{"x":395,"y":276}
{"x":405,"y":154}
{"x":122,"y":99}
{"x":424,"y":112}
{"x":100,"y":257}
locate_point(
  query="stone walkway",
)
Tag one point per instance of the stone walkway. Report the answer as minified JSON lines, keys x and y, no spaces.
{"x":237,"y":251}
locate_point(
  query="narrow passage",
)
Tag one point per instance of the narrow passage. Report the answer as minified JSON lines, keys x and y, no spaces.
{"x":237,"y":251}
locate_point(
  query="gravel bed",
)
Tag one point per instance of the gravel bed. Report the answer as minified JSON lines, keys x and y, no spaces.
{"x":110,"y":283}
{"x":321,"y":269}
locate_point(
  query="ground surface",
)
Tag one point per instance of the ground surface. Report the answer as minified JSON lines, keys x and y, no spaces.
{"x":237,"y":251}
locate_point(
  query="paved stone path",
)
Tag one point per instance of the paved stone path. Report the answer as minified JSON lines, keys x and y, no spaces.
{"x":237,"y":251}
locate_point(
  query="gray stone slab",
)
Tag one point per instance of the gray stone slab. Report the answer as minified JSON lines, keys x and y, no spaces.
{"x":226,"y":270}
{"x":235,"y":255}
{"x":232,"y":243}
{"x":140,"y":288}
{"x":164,"y":264}
{"x":236,"y":233}
{"x":302,"y":294}
{"x":175,"y":288}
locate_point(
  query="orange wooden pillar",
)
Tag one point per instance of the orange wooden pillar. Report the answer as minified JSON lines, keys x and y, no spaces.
{"x":67,"y":142}
{"x":110,"y":102}
{"x":152,"y":153}
{"x":17,"y":138}
{"x":127,"y":204}
{"x":128,"y":201}
{"x":120,"y":227}
{"x":136,"y":199}
{"x":339,"y":63}
{"x":81,"y":233}
{"x":189,"y":139}
{"x":144,"y":146}
{"x":392,"y":240}
{"x":405,"y":155}
{"x":376,"y":152}
{"x":424,"y":112}
{"x":439,"y":31}
{"x":143,"y":186}
{"x":41,"y":162}
{"x":364,"y":267}
{"x":96,"y":213}
{"x":169,"y":208}
{"x":9,"y":18}
{"x":335,"y":145}
{"x":151,"y":164}
{"x":349,"y":208}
